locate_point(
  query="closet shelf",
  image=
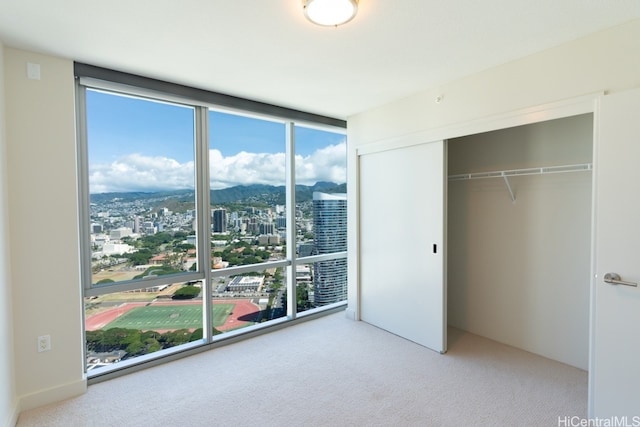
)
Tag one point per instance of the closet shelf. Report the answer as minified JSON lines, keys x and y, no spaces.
{"x":521,"y":172}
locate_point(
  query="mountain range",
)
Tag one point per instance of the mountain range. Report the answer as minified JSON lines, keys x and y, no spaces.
{"x":256,"y":193}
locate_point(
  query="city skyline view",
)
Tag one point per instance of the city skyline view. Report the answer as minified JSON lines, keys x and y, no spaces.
{"x":139,"y":145}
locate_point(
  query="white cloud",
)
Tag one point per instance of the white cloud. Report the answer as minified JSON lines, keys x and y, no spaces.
{"x":136,"y":172}
{"x":246,"y":168}
{"x":326,"y":164}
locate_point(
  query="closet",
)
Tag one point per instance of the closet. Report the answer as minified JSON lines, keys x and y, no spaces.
{"x":519,"y":203}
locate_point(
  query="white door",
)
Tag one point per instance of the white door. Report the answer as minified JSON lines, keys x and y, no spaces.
{"x":615,"y":359}
{"x":402,"y":284}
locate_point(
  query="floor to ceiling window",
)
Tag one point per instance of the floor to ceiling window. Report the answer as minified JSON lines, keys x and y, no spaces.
{"x":201,"y":221}
{"x":321,"y":221}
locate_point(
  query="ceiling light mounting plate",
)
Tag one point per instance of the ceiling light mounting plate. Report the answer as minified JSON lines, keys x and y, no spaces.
{"x":330,"y":13}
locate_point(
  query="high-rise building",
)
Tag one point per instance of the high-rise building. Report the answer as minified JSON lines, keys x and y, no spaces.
{"x":267,"y":228}
{"x":330,"y":235}
{"x":219,"y":220}
{"x":252,"y":226}
{"x":148,"y":227}
{"x":119,"y":233}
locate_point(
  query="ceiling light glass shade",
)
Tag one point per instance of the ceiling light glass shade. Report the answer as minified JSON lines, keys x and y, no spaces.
{"x":330,"y":13}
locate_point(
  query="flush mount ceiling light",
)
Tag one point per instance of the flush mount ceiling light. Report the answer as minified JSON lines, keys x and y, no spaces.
{"x":330,"y":13}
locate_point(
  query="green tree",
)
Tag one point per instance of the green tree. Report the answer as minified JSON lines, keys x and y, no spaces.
{"x":154,"y":241}
{"x":146,"y":335}
{"x":184,"y":247}
{"x":302,"y":298}
{"x":277,"y":277}
{"x":251,"y":260}
{"x":180,"y":235}
{"x":186,"y":292}
{"x":141,"y":257}
{"x":136,"y":348}
{"x":263,"y":254}
{"x":93,"y":339}
{"x":174,"y":338}
{"x":234,"y":260}
{"x":153,"y":345}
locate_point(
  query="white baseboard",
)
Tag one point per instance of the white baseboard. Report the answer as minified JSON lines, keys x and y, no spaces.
{"x":12,"y":416}
{"x":51,"y":395}
{"x":350,"y":313}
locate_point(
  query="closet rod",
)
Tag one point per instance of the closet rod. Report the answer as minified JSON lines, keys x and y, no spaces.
{"x":520,"y":172}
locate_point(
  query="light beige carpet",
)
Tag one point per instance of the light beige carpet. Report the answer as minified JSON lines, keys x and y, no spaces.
{"x":334,"y":372}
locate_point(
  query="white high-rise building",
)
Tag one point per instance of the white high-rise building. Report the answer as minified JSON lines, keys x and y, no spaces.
{"x":330,"y":235}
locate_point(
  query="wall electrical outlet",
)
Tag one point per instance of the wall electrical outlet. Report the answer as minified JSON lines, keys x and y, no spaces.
{"x":44,"y":343}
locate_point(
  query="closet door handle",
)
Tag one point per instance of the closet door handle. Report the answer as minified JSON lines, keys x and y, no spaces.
{"x":614,"y":279}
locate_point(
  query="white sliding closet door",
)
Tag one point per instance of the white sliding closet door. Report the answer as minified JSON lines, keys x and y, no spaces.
{"x":402,"y":224}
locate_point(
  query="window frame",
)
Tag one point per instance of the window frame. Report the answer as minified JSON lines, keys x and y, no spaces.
{"x":94,"y":78}
{"x":201,"y":198}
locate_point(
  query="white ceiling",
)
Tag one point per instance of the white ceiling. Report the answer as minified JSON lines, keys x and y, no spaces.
{"x":266,"y":50}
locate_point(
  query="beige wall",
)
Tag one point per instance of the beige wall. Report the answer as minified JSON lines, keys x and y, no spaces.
{"x":605,"y":61}
{"x":519,"y":271}
{"x":42,"y":200}
{"x":8,"y":398}
{"x":609,"y":60}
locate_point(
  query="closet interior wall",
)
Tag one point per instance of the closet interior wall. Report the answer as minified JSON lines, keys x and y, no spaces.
{"x":519,"y":271}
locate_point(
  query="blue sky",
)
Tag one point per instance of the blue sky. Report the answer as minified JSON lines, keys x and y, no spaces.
{"x":138,"y":145}
{"x":120,"y":125}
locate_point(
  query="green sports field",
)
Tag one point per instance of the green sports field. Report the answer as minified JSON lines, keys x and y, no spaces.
{"x":164,"y":317}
